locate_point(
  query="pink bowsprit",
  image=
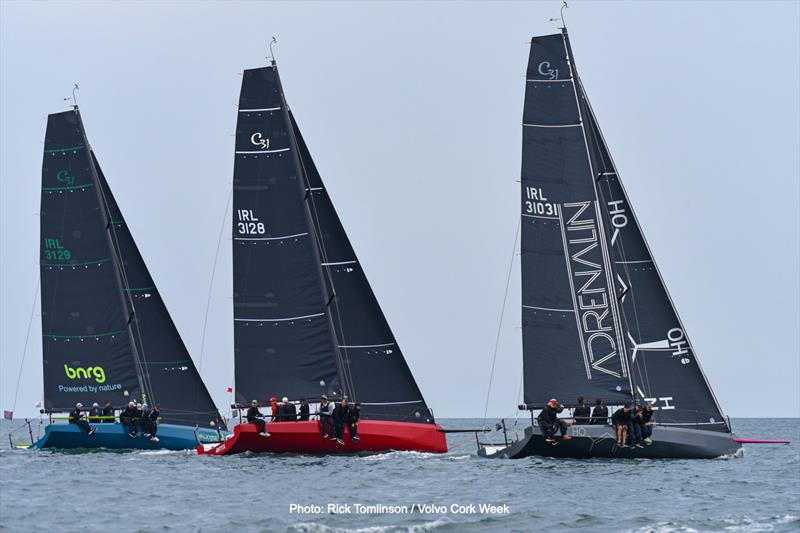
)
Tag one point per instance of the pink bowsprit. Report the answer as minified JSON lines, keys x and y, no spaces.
{"x":761,"y":441}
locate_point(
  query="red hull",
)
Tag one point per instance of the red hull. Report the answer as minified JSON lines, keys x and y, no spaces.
{"x":306,"y":438}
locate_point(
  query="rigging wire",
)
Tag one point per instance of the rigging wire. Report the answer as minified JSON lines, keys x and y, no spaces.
{"x":25,"y":348}
{"x":211,"y":283}
{"x":502,"y":314}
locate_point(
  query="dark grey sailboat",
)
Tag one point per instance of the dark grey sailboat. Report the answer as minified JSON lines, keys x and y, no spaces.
{"x":597,"y":319}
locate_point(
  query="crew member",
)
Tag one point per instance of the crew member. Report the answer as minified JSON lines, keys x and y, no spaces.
{"x":129,"y":418}
{"x":600,"y":412}
{"x":355,"y":415}
{"x":108,"y":413}
{"x":341,"y":416}
{"x":95,"y":413}
{"x":276,"y":414}
{"x":150,"y":422}
{"x":254,"y":416}
{"x":581,"y":414}
{"x":325,"y":417}
{"x":76,"y":417}
{"x":288,"y":410}
{"x":305,"y":411}
{"x":637,"y":423}
{"x":621,"y":420}
{"x":647,"y":427}
{"x":550,"y":423}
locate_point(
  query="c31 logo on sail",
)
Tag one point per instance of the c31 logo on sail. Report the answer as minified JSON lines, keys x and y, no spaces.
{"x":545,"y":70}
{"x":259,"y":140}
{"x":64,"y":177}
{"x":89,"y":372}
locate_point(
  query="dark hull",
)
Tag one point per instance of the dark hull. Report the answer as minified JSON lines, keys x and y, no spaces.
{"x":599,"y":441}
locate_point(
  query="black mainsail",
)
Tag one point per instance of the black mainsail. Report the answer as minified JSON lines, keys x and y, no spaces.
{"x":106,"y":331}
{"x":597,"y":318}
{"x":306,"y":321}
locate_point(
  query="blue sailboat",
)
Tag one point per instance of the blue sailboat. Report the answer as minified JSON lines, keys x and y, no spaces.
{"x":107,"y":337}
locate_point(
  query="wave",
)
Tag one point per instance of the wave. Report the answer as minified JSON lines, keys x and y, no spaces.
{"x":316,"y":527}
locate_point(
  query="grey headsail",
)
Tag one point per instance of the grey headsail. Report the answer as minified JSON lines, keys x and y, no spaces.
{"x":166,"y":367}
{"x":375,"y":369}
{"x":306,"y":319}
{"x":665,"y":368}
{"x":621,"y":305}
{"x":96,"y":292}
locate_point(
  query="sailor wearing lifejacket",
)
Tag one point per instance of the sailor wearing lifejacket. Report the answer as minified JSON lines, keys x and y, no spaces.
{"x":325,"y":417}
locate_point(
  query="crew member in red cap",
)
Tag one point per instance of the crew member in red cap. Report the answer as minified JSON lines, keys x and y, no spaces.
{"x":549,"y":422}
{"x":274,"y":403}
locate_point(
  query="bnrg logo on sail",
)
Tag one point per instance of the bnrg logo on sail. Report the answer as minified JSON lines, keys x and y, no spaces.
{"x":86,"y":373}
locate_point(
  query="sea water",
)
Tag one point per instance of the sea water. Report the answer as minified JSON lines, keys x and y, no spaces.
{"x":400,"y":491}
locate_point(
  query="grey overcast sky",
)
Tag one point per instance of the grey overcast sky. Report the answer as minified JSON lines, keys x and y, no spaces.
{"x":413,"y":112}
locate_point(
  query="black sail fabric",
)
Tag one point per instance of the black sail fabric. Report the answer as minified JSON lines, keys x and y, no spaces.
{"x":665,"y":368}
{"x":375,"y":370}
{"x":283,"y":342}
{"x":572,"y":330}
{"x":166,"y":367}
{"x":87,"y":351}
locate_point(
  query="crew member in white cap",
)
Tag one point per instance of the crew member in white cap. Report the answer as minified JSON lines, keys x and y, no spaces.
{"x":76,"y":417}
{"x":288,"y":411}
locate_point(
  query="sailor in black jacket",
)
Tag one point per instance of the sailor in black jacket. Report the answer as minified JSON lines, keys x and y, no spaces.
{"x":581,"y":414}
{"x":254,"y":416}
{"x":305,"y":411}
{"x":355,"y":415}
{"x":129,"y":419}
{"x":549,"y":422}
{"x":341,"y":416}
{"x":621,"y":420}
{"x":288,"y":411}
{"x":647,"y":427}
{"x":600,"y":412}
{"x":108,"y":413}
{"x":76,"y":417}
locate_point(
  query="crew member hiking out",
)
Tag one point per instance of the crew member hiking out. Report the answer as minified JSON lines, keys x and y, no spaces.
{"x":599,"y":413}
{"x":581,"y":414}
{"x":254,"y":416}
{"x":621,"y":420}
{"x":325,"y":417}
{"x":355,"y":415}
{"x":129,"y":419}
{"x":637,"y":425}
{"x":549,"y":422}
{"x":76,"y":417}
{"x":341,"y":416}
{"x":647,"y":427}
{"x":150,"y":423}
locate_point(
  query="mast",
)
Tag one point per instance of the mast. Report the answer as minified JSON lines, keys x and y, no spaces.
{"x":316,"y":240}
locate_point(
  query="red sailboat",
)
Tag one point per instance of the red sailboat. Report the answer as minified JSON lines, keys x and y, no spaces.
{"x":306,"y":322}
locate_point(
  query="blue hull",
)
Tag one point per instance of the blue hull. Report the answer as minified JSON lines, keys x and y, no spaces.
{"x":114,"y":437}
